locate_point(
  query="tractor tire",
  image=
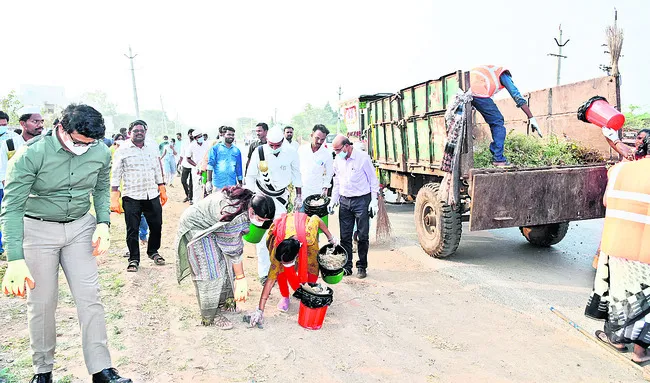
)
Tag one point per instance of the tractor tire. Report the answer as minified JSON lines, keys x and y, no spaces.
{"x":545,"y":235}
{"x":438,"y":225}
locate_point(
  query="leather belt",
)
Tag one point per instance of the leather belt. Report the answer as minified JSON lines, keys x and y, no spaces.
{"x":48,"y":220}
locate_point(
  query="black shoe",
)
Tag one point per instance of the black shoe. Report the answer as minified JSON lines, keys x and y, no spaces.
{"x":186,"y":199}
{"x":347,"y":272}
{"x":109,"y":375}
{"x":191,"y":202}
{"x":42,"y":378}
{"x":361,"y":273}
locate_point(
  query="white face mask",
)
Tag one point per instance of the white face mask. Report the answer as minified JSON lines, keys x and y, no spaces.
{"x":276,"y":151}
{"x":3,"y":129}
{"x":199,"y":140}
{"x":67,"y":141}
{"x":290,"y":264}
{"x":256,"y":221}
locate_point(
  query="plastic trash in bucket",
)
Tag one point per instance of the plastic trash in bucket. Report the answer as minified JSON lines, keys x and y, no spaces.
{"x":319,"y":210}
{"x":599,"y":112}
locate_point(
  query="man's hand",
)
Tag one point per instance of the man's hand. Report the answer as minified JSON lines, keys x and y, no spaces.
{"x":297,"y":203}
{"x":241,"y":289}
{"x":115,"y":202}
{"x":374,"y":207}
{"x":208,"y":187}
{"x":163,"y":194}
{"x":101,"y":239}
{"x":535,"y":126}
{"x":610,"y":134}
{"x":334,"y":241}
{"x":333,"y":204}
{"x":16,"y":276}
{"x":324,"y":192}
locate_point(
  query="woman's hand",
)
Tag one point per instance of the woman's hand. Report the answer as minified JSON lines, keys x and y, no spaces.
{"x":257,"y":318}
{"x":241,"y":289}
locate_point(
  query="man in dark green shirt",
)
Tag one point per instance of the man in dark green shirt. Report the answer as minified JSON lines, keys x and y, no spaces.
{"x":47,"y":222}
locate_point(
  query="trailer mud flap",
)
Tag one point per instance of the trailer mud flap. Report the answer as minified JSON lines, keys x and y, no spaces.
{"x":526,"y":197}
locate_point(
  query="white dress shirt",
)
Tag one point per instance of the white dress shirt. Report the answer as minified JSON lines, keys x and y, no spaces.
{"x":316,"y":169}
{"x":354,"y":176}
{"x":196,"y":152}
{"x":284,"y":168}
{"x":4,"y":152}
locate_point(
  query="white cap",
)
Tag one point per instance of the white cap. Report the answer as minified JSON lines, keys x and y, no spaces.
{"x":275,"y":135}
{"x":29,"y":109}
{"x":196,"y":133}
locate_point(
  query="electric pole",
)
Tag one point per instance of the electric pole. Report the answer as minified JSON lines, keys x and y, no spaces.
{"x":164,"y":116}
{"x":135,"y":91}
{"x":338,"y":113}
{"x":559,"y":56}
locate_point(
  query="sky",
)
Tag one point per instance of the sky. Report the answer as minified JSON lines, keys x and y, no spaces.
{"x":214,"y":61}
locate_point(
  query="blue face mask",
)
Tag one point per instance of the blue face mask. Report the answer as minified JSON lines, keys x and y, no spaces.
{"x":3,"y":129}
{"x":342,"y":155}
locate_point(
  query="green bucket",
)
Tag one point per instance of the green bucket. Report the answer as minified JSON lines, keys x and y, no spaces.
{"x":325,"y":219}
{"x":333,"y":279}
{"x":255,"y":234}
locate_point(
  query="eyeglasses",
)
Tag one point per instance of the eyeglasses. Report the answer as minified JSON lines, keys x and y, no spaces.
{"x":81,"y":143}
{"x":337,"y":151}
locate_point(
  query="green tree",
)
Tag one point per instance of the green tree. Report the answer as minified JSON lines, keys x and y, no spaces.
{"x":634,"y":120}
{"x":10,"y":104}
{"x":99,"y":100}
{"x":304,"y":121}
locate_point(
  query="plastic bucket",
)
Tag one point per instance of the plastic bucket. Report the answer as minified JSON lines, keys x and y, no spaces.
{"x":318,"y":210}
{"x":323,"y":250}
{"x":333,"y":279}
{"x":255,"y":234}
{"x":311,"y":319}
{"x":600,"y":113}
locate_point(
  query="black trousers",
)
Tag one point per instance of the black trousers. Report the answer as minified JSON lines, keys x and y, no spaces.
{"x":187,"y":186}
{"x":152,"y":211}
{"x":355,"y":210}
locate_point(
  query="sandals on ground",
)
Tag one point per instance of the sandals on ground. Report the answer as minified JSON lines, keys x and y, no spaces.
{"x":602,"y":336}
{"x":157,"y":259}
{"x":133,"y":266}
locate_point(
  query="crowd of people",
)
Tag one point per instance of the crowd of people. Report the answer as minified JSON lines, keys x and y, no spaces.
{"x":52,"y":179}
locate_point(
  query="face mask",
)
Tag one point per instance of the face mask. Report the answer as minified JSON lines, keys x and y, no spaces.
{"x":342,"y":155}
{"x":3,"y":129}
{"x":199,"y":140}
{"x":276,"y":151}
{"x":256,"y":222}
{"x":77,"y":150}
{"x":290,"y":264}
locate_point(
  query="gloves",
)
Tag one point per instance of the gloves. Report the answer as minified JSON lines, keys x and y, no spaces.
{"x":241,"y":289}
{"x":163,"y":194}
{"x":16,"y":276}
{"x":297,"y":203}
{"x":333,"y":204}
{"x":257,"y":318}
{"x":610,"y":134}
{"x":334,"y":241}
{"x":374,"y":207}
{"x":115,"y":202}
{"x":208,"y":187}
{"x":324,"y":192}
{"x":101,"y":239}
{"x":535,"y":126}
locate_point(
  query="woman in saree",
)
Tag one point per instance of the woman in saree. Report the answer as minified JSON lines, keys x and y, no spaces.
{"x":621,"y":295}
{"x":293,"y":248}
{"x":210,"y":247}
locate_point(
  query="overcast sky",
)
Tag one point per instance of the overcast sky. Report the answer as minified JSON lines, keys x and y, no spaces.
{"x":214,"y":61}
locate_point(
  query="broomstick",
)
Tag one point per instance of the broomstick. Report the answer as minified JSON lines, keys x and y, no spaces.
{"x":383,"y":222}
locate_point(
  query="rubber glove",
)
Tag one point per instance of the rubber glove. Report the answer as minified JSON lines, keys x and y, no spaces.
{"x":297,"y":203}
{"x":610,"y":133}
{"x":16,"y":275}
{"x":535,"y":126}
{"x":115,"y":202}
{"x":257,"y":318}
{"x":101,"y":239}
{"x":163,"y":194}
{"x":333,"y":204}
{"x":241,"y":289}
{"x":208,"y":187}
{"x":324,"y":192}
{"x":374,"y":207}
{"x":335,"y":241}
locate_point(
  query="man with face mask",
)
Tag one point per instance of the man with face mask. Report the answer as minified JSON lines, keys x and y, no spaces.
{"x":137,"y":167}
{"x":224,"y":163}
{"x":356,"y":189}
{"x":194,"y":154}
{"x":47,"y":223}
{"x":273,"y":167}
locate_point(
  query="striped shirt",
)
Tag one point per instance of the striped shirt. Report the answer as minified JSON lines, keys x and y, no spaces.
{"x":139,"y":168}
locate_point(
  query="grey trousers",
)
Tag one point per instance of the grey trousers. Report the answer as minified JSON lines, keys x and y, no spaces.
{"x":48,"y":245}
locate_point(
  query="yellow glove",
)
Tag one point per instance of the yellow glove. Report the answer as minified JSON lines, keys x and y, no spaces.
{"x":101,"y":239}
{"x":241,"y":289}
{"x":16,"y":276}
{"x":115,"y":202}
{"x":163,"y":194}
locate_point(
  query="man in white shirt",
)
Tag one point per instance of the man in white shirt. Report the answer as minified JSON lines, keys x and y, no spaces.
{"x":288,"y":137}
{"x":193,"y":156}
{"x":316,"y":163}
{"x":273,"y":166}
{"x":186,"y":167}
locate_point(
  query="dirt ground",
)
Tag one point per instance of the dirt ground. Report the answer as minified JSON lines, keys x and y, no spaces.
{"x":406,"y":322}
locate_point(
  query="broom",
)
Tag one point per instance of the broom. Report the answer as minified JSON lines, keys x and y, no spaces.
{"x":615,"y":44}
{"x":383,"y":222}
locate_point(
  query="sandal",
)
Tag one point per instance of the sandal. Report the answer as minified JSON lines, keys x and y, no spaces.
{"x":602,"y":336}
{"x":133,"y":266}
{"x":222,"y":323}
{"x":157,"y":259}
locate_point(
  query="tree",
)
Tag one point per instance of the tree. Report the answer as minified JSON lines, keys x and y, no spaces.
{"x":99,"y":100}
{"x":635,"y":120}
{"x":10,"y":104}
{"x":304,"y":122}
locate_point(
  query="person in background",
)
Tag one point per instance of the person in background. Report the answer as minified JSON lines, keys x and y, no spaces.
{"x":186,"y":166}
{"x":210,"y":247}
{"x":7,"y":150}
{"x":485,"y":82}
{"x":316,"y":163}
{"x":167,"y":155}
{"x":261,"y":129}
{"x":137,"y":164}
{"x":224,"y":163}
{"x":288,"y":135}
{"x":193,"y":156}
{"x":628,"y":153}
{"x":355,"y":189}
{"x":621,"y":295}
{"x":47,"y":223}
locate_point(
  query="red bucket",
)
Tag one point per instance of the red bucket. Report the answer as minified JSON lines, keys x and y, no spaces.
{"x":602,"y":114}
{"x":311,"y":318}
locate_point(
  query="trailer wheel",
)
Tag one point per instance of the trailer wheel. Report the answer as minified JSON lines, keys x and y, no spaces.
{"x":545,"y":235}
{"x":439,"y":227}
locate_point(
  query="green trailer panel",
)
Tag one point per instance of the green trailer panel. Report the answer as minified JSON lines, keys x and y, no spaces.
{"x":407,"y":102}
{"x":438,"y":133}
{"x":390,"y":143}
{"x":451,"y":88}
{"x":412,"y":143}
{"x":435,"y":96}
{"x":420,"y":99}
{"x":423,"y":132}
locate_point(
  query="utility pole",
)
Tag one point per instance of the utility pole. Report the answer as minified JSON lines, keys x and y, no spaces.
{"x":559,"y":56}
{"x":135,"y":91}
{"x":164,"y":116}
{"x":338,"y":113}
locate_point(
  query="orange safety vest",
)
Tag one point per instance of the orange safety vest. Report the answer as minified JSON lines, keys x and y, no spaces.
{"x":484,"y":80}
{"x":626,"y":233}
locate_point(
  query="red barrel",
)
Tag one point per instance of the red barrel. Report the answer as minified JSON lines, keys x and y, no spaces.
{"x":311,"y":319}
{"x":602,"y":114}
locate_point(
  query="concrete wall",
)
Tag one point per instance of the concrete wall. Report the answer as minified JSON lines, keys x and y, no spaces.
{"x":556,"y":111}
